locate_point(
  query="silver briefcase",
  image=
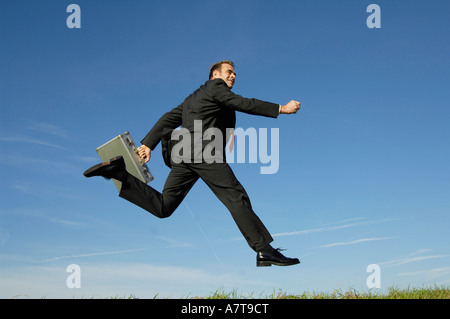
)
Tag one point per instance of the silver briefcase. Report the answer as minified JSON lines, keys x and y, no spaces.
{"x":124,"y":145}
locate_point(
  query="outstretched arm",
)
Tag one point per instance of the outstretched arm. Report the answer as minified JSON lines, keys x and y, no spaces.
{"x":224,"y":96}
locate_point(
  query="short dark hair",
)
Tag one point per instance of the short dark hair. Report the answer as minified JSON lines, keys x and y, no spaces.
{"x":217,"y":66}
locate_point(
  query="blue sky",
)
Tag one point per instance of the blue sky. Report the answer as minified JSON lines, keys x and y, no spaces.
{"x":363,"y":177}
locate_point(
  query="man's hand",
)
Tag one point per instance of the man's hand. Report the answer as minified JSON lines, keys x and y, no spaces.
{"x":291,"y":108}
{"x":145,"y":153}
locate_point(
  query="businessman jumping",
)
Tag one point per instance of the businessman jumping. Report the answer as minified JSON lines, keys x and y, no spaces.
{"x":211,"y":107}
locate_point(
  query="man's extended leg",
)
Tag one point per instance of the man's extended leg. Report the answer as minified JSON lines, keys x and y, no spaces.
{"x":222,"y":181}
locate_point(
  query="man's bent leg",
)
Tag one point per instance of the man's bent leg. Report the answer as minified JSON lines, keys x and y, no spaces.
{"x":162,"y":205}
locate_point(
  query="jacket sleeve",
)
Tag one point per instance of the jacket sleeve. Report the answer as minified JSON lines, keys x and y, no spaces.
{"x":222,"y":94}
{"x":168,"y":121}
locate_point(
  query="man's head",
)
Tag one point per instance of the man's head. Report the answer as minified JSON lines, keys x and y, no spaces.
{"x":223,"y":70}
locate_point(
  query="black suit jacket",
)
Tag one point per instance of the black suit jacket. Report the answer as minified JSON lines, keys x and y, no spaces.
{"x":215,"y":105}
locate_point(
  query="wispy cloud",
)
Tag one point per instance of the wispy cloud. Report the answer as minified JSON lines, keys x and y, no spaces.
{"x":362,"y":240}
{"x":47,"y":128}
{"x":92,"y":254}
{"x":411,"y":258}
{"x":418,"y":252}
{"x":343,"y":224}
{"x":47,"y":192}
{"x":173,"y":243}
{"x":25,"y":161}
{"x":428,"y":272}
{"x":69,"y":223}
{"x":40,"y":129}
{"x":87,"y":159}
{"x":332,"y":228}
{"x":30,"y":140}
{"x":441,"y":275}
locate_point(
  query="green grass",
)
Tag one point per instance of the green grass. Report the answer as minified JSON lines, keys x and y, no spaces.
{"x":436,"y":292}
{"x":391,"y":293}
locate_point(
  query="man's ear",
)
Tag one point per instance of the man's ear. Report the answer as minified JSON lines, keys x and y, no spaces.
{"x":216,"y":74}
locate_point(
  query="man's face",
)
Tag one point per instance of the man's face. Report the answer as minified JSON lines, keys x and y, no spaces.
{"x":227,"y":74}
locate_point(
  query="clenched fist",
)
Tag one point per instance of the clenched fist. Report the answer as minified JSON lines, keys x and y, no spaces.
{"x":291,"y":108}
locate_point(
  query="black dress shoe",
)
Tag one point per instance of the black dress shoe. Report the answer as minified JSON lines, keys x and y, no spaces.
{"x":267,"y":259}
{"x":114,"y":168}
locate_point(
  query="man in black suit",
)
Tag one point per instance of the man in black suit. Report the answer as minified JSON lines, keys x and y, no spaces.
{"x":211,"y":107}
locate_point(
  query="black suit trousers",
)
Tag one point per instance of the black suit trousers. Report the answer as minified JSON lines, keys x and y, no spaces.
{"x":220,"y":179}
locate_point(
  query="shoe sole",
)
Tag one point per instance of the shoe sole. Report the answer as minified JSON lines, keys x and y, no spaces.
{"x":92,"y":170}
{"x":268,"y":263}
